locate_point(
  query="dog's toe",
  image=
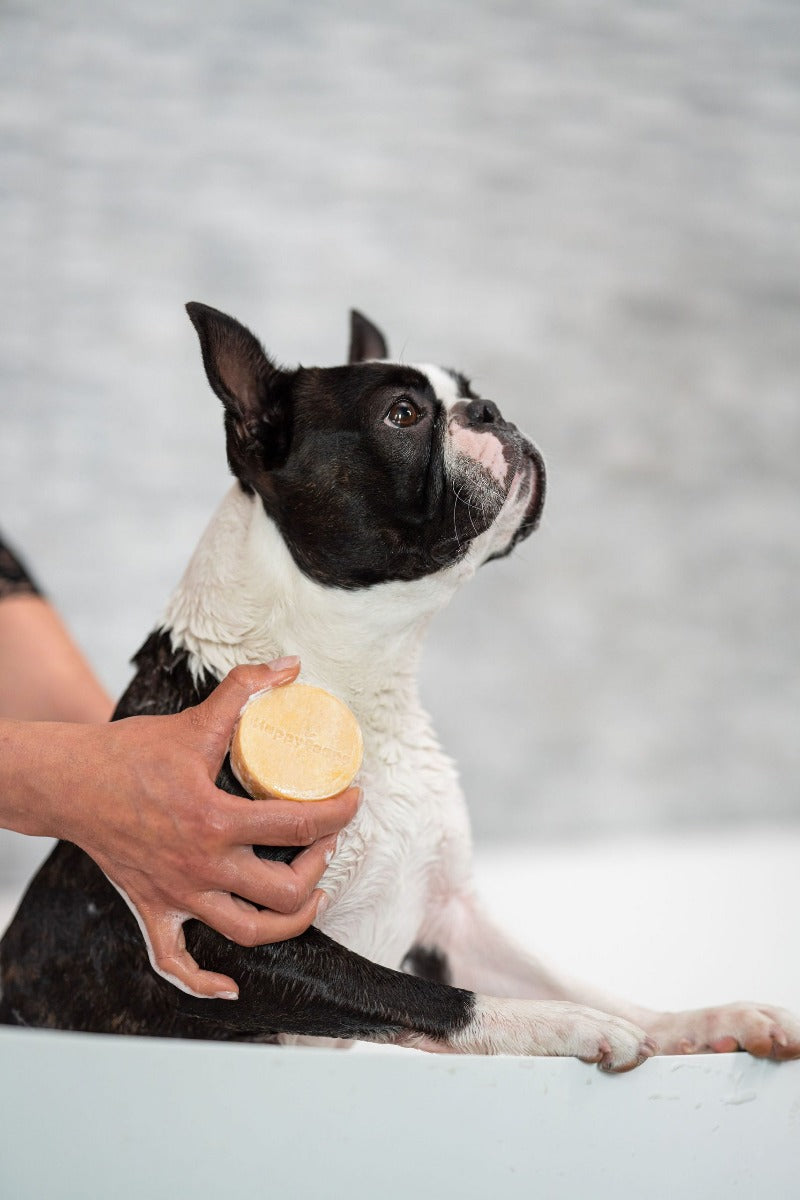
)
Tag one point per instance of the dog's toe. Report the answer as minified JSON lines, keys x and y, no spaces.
{"x":762,"y":1030}
{"x":615,"y":1045}
{"x":619,"y":1062}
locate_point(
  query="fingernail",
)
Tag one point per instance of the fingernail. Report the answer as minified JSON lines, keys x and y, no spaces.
{"x":330,"y":853}
{"x":323,"y":903}
{"x":284,"y":664}
{"x":226,"y":996}
{"x":359,"y":797}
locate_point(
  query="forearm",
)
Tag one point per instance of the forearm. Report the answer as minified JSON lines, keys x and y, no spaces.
{"x":42,"y":765}
{"x":43,"y":674}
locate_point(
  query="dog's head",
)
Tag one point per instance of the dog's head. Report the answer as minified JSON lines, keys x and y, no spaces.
{"x":373,"y":471}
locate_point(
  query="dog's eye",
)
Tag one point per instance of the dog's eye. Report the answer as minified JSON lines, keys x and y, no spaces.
{"x":403,"y":413}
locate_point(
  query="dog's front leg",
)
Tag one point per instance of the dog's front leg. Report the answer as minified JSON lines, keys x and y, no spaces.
{"x":315,"y":987}
{"x":472,"y":952}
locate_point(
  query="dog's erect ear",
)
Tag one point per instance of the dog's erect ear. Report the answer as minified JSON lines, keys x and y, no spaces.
{"x":366,"y":340}
{"x":236,"y":365}
{"x":253,"y":390}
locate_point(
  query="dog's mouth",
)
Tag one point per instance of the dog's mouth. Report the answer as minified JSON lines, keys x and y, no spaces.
{"x":526,"y":494}
{"x":514,"y":467}
{"x":538,"y":487}
{"x":479,"y":434}
{"x":495,"y":481}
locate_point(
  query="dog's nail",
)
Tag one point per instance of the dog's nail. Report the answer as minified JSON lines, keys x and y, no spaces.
{"x":283,"y":664}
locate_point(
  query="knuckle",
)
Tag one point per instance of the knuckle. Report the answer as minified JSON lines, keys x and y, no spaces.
{"x":284,"y":890}
{"x":166,"y":960}
{"x":210,"y":821}
{"x":214,"y":822}
{"x":286,"y":927}
{"x":249,"y":931}
{"x":303,"y":830}
{"x":244,"y":677}
{"x":300,"y":922}
{"x":293,"y":893}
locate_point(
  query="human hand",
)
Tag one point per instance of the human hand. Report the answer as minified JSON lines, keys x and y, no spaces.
{"x":175,"y":846}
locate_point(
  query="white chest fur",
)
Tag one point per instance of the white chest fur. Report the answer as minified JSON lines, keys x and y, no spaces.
{"x":243,"y":599}
{"x":407,"y":849}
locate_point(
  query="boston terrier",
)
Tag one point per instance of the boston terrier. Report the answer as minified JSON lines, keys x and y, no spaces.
{"x":364,"y":496}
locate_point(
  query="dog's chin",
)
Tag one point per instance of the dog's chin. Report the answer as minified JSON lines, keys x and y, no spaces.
{"x":528,"y":481}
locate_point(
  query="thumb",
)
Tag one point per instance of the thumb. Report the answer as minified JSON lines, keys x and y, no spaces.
{"x":217,"y":715}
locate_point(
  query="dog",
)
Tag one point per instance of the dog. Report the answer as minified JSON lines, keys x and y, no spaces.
{"x":364,"y":496}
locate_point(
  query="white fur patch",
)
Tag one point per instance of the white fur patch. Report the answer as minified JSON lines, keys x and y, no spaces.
{"x":445,"y":387}
{"x":553,"y":1028}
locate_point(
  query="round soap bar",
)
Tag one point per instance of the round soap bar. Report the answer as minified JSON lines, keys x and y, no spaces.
{"x":296,"y":742}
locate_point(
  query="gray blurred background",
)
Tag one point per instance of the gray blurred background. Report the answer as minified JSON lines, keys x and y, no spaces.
{"x":594,"y":211}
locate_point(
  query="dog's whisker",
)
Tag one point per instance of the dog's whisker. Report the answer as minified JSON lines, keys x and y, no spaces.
{"x":455,"y":523}
{"x":469,"y":508}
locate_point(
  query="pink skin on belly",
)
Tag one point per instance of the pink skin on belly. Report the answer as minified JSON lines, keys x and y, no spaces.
{"x":483,"y":448}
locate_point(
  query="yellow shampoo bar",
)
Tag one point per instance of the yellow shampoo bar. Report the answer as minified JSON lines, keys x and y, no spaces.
{"x":296,"y":742}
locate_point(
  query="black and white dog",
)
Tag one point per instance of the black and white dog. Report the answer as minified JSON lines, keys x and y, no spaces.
{"x":364,"y":496}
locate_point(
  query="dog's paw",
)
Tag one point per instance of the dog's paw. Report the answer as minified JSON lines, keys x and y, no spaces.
{"x":556,"y":1028}
{"x":614,"y":1044}
{"x":760,"y":1029}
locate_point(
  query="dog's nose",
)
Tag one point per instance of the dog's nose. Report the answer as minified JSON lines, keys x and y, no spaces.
{"x":483,"y":412}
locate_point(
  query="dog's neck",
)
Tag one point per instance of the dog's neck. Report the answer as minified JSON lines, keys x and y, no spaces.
{"x":243,"y":599}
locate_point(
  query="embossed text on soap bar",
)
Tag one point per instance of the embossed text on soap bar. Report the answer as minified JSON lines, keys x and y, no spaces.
{"x":301,"y":740}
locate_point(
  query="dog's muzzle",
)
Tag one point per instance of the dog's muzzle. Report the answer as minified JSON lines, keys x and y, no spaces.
{"x":479,"y":431}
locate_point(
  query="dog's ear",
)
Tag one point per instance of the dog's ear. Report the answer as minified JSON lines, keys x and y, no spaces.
{"x":366,"y":340}
{"x":254,"y":391}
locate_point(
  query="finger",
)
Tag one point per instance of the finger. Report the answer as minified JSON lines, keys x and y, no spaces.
{"x":289,"y":822}
{"x":166,"y":948}
{"x":247,"y":926}
{"x":218,"y":714}
{"x":282,"y":887}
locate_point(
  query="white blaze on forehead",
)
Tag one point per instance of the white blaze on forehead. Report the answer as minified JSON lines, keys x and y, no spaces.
{"x":483,"y":448}
{"x":444,"y":385}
